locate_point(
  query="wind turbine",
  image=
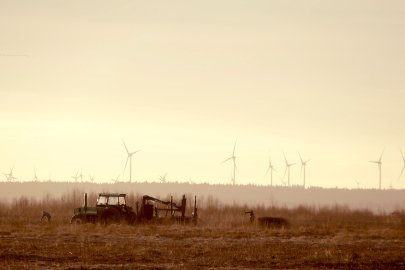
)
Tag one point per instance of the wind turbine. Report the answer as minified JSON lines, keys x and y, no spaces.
{"x":91,"y":178}
{"x":271,"y":169}
{"x":81,"y":175}
{"x":163,"y":178}
{"x":303,"y":165}
{"x":35,"y":176}
{"x":130,"y":161}
{"x":403,"y":167}
{"x":9,"y":176}
{"x":76,"y":176}
{"x":233,"y":157}
{"x":379,"y":167}
{"x":115,"y":180}
{"x":287,"y":168}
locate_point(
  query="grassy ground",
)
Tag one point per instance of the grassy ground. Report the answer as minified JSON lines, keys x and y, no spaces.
{"x":225,"y":246}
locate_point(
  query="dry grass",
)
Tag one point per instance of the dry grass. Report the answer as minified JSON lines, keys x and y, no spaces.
{"x":335,"y":238}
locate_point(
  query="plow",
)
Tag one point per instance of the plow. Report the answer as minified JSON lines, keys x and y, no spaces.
{"x":113,"y":208}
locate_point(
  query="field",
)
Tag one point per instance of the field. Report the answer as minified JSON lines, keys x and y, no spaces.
{"x":323,"y":238}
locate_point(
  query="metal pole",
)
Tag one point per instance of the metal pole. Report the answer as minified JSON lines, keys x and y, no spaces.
{"x":130,"y":169}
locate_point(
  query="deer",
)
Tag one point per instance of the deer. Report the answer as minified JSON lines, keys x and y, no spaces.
{"x":270,"y":222}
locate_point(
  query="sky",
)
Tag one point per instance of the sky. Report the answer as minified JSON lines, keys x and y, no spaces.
{"x":183,"y":80}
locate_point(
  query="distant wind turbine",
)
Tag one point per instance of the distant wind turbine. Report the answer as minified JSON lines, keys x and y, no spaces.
{"x":91,"y":178}
{"x":76,"y":176}
{"x":271,"y":169}
{"x":303,"y":166}
{"x":233,"y":157}
{"x":284,"y":183}
{"x":116,"y":179}
{"x":9,"y":176}
{"x":287,"y":168}
{"x":403,"y":167}
{"x":379,"y":167}
{"x":35,"y":176}
{"x":130,"y":161}
{"x":163,"y":178}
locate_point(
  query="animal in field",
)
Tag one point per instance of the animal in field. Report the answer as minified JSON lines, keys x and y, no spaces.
{"x":274,"y":222}
{"x":46,"y":216}
{"x":270,"y":222}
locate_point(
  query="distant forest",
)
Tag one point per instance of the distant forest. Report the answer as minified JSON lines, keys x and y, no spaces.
{"x":378,"y":201}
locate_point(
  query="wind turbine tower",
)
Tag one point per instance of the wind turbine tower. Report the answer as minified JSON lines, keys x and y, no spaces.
{"x":233,"y":157}
{"x":403,"y":167}
{"x":130,"y":161}
{"x":303,"y":166}
{"x":379,"y":167}
{"x":271,"y":169}
{"x":287,"y":168}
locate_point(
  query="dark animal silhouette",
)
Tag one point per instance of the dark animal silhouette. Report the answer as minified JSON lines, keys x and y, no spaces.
{"x":46,"y":216}
{"x":270,"y":222}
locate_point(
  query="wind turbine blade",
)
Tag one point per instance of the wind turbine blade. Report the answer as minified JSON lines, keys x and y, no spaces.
{"x":125,"y":147}
{"x":302,"y":161}
{"x":135,"y":152}
{"x":402,"y":171}
{"x":274,"y":169}
{"x":381,"y":155}
{"x":226,"y":160}
{"x":403,"y":158}
{"x":126,"y":162}
{"x":285,"y":171}
{"x":267,"y":171}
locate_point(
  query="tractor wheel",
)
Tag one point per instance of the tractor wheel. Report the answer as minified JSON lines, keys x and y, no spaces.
{"x":110,"y":215}
{"x":131,"y":217}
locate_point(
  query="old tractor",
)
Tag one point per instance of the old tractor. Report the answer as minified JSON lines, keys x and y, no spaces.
{"x":110,"y":208}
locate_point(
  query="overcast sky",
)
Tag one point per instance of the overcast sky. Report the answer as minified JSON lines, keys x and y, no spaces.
{"x":183,"y":80}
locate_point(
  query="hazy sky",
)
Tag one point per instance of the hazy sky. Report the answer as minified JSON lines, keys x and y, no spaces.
{"x":182,"y":80}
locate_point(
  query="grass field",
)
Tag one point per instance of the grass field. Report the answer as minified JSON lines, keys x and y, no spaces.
{"x":324,"y":238}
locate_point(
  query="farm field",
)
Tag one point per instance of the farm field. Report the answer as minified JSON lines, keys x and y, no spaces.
{"x":323,"y":237}
{"x":374,"y":243}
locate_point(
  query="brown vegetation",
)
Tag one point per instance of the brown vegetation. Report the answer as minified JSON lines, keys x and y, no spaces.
{"x":333,"y":237}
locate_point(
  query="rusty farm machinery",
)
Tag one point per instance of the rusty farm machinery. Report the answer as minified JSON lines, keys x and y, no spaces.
{"x":113,"y":208}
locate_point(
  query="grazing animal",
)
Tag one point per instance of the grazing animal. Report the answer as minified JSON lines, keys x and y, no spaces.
{"x":46,"y":215}
{"x":275,"y":222}
{"x":270,"y":222}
